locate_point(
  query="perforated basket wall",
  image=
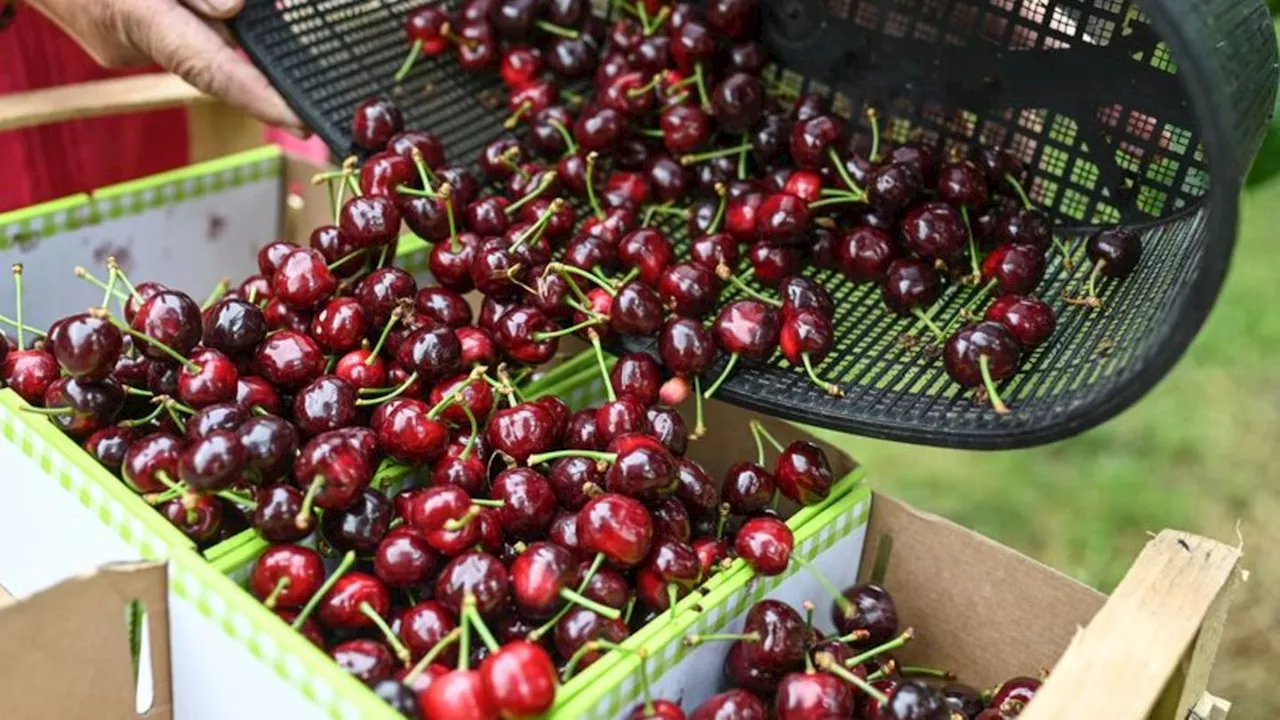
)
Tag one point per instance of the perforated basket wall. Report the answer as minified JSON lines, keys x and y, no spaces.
{"x":1140,"y":113}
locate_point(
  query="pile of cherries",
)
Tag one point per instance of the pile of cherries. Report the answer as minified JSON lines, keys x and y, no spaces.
{"x":780,"y":666}
{"x":681,"y":121}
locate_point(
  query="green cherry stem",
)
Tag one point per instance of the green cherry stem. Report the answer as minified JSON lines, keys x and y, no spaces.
{"x":590,"y":322}
{"x":475,"y":429}
{"x":398,"y":647}
{"x":921,"y":671}
{"x":464,"y":641}
{"x":832,"y":389}
{"x":581,"y":600}
{"x":544,"y":182}
{"x":927,"y":320}
{"x":694,"y":159}
{"x":759,"y":428}
{"x":843,"y":171}
{"x":570,"y":144}
{"x":755,"y":434}
{"x":347,"y":561}
{"x":1019,"y":190}
{"x":837,"y":596}
{"x":703,"y":98}
{"x":109,"y":290}
{"x":699,"y":424}
{"x":984,"y":364}
{"x":592,"y":158}
{"x":142,"y":420}
{"x":237,"y":499}
{"x":906,"y":637}
{"x":382,"y":339}
{"x":727,"y":275}
{"x":452,"y":396}
{"x":404,"y":386}
{"x":415,"y":51}
{"x":535,"y":231}
{"x":554,"y":29}
{"x":724,"y":375}
{"x":873,"y":118}
{"x":424,"y":170}
{"x":435,"y":652}
{"x":598,"y":455}
{"x":965,"y":312}
{"x":17,"y":283}
{"x":550,"y":625}
{"x":105,"y":315}
{"x":477,"y":623}
{"x":214,"y":295}
{"x":14,"y":323}
{"x":594,"y":337}
{"x":303,"y":520}
{"x":696,"y":640}
{"x":828,"y":664}
{"x":973,"y":245}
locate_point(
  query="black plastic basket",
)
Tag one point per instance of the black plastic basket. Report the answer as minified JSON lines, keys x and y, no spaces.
{"x":1124,"y":111}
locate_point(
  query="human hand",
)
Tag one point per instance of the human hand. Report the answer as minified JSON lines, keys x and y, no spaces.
{"x":186,"y":37}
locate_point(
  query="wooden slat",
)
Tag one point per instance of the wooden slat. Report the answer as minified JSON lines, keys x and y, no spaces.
{"x":1149,"y":632}
{"x":95,"y":99}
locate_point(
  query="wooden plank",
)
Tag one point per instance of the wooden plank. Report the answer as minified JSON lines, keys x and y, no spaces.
{"x":1122,"y":663}
{"x":216,"y":129}
{"x":95,"y":99}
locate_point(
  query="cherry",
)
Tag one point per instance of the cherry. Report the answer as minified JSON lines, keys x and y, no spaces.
{"x":909,"y":285}
{"x":212,"y":462}
{"x":444,"y":306}
{"x":374,"y":123}
{"x":369,"y":661}
{"x":582,"y":432}
{"x":403,"y":559}
{"x":289,"y":359}
{"x":110,"y":445}
{"x":689,"y":289}
{"x":385,"y":172}
{"x":527,"y":336}
{"x":648,"y":251}
{"x":423,"y":626}
{"x":343,"y":606}
{"x":458,"y":694}
{"x":638,"y":376}
{"x":738,"y":103}
{"x":803,"y":473}
{"x":559,"y":411}
{"x":1115,"y":252}
{"x":541,"y":579}
{"x":599,"y":129}
{"x":621,"y":417}
{"x":276,"y":515}
{"x":747,"y":328}
{"x":871,"y":610}
{"x":783,"y":636}
{"x":748,"y":57}
{"x":79,"y":407}
{"x":211,"y":378}
{"x":1012,"y":697}
{"x":521,"y":431}
{"x":963,"y":698}
{"x":581,"y":626}
{"x":923,"y":157}
{"x":735,"y":704}
{"x":1029,"y":319}
{"x":1024,"y":227}
{"x":642,"y":468}
{"x":671,"y":520}
{"x":765,"y":543}
{"x":286,"y":576}
{"x":333,"y":469}
{"x":144,"y":291}
{"x":478,"y":347}
{"x":434,"y":353}
{"x":912,"y":700}
{"x":199,"y":517}
{"x":589,"y":252}
{"x":801,"y":293}
{"x":303,"y":280}
{"x":370,"y":221}
{"x":669,"y":179}
{"x":280,"y":316}
{"x":982,"y":354}
{"x":695,"y":488}
{"x":686,"y":347}
{"x":528,"y":502}
{"x":806,"y":338}
{"x":270,"y":257}
{"x":150,"y":457}
{"x":657,"y":710}
{"x":684,"y":128}
{"x":269,"y":445}
{"x":488,"y":216}
{"x":171,"y":319}
{"x":234,"y":326}
{"x":894,"y":186}
{"x":86,"y":347}
{"x":473,"y":574}
{"x":812,"y":140}
{"x":963,"y":184}
{"x":399,"y":696}
{"x":692,"y":44}
{"x":934,"y":231}
{"x":408,"y":432}
{"x":748,"y":488}
{"x":162,"y":378}
{"x":667,"y":427}
{"x":361,"y":526}
{"x":381,"y":291}
{"x":808,"y":695}
{"x":740,"y":671}
{"x":782,"y":218}
{"x":520,"y":679}
{"x":735,"y":19}
{"x":574,"y":58}
{"x":340,"y":326}
{"x":1015,"y":269}
{"x":617,"y":526}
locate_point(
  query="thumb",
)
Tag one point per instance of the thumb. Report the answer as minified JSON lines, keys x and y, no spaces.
{"x":216,"y":9}
{"x":193,"y":49}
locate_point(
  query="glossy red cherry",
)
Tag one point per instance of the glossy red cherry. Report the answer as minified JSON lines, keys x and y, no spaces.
{"x":1116,"y":252}
{"x":527,"y":336}
{"x":621,"y":417}
{"x":579,"y":627}
{"x":374,"y":123}
{"x":199,"y":518}
{"x":423,"y":626}
{"x":529,"y":503}
{"x":403,"y":559}
{"x":803,"y":473}
{"x":520,"y":679}
{"x":521,"y":431}
{"x":286,"y":576}
{"x":731,"y":705}
{"x":385,"y":172}
{"x":618,"y":526}
{"x":370,"y":220}
{"x":86,"y":347}
{"x":333,"y":469}
{"x":172,"y":319}
{"x":29,"y":373}
{"x":1029,"y":319}
{"x":985,"y":353}
{"x":1015,"y":269}
{"x":643,"y":468}
{"x":234,"y":326}
{"x":212,"y":462}
{"x":748,"y":488}
{"x":686,"y":347}
{"x":963,"y":184}
{"x":910,"y":284}
{"x":147,"y":458}
{"x":475,"y":574}
{"x":289,"y":359}
{"x":342,"y":608}
{"x":459,"y":694}
{"x":684,"y":128}
{"x":765,"y":543}
{"x":865,"y":253}
{"x":212,"y":379}
{"x":637,"y":375}
{"x":802,"y":696}
{"x":1012,"y":697}
{"x":871,"y":610}
{"x":748,"y":328}
{"x":657,"y":710}
{"x":934,"y":231}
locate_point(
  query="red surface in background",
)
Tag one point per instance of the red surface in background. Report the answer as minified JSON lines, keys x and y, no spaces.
{"x":53,"y":161}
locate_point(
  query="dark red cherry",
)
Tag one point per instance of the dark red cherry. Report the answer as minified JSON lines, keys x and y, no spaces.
{"x":150,"y":457}
{"x":1024,"y":227}
{"x":913,"y":700}
{"x":748,"y":328}
{"x":712,"y":251}
{"x":1116,"y":252}
{"x":212,"y":379}
{"x":738,"y":103}
{"x":812,"y":139}
{"x":282,"y":317}
{"x":234,"y":326}
{"x":360,"y":527}
{"x":618,"y":526}
{"x":521,"y":431}
{"x":83,"y":406}
{"x":731,"y":705}
{"x":339,"y":469}
{"x":444,"y":306}
{"x":212,"y":462}
{"x":871,"y":610}
{"x":910,"y":283}
{"x":621,"y":417}
{"x":582,"y":432}
{"x":865,"y":253}
{"x":807,"y":336}
{"x":964,"y":354}
{"x":893,"y":187}
{"x":342,"y":607}
{"x":374,"y":123}
{"x":276,"y":516}
{"x":692,"y":44}
{"x":803,"y":473}
{"x":199,"y":517}
{"x":802,"y":696}
{"x":290,"y":574}
{"x":423,"y":626}
{"x":476,"y":574}
{"x":684,"y":128}
{"x":1015,"y":269}
{"x":669,"y":179}
{"x":520,"y":679}
{"x":771,"y":263}
{"x":669,"y":429}
{"x":801,"y":293}
{"x":648,"y":251}
{"x":574,"y":480}
{"x":637,"y":310}
{"x":1029,"y":319}
{"x":370,"y":220}
{"x":385,"y":172}
{"x":529,"y":503}
{"x":86,"y":347}
{"x":433,"y":353}
{"x":171,"y":318}
{"x":765,"y":543}
{"x":339,"y":326}
{"x":109,"y":446}
{"x":963,"y":184}
{"x":426,"y":143}
{"x":689,"y":289}
{"x":599,"y":129}
{"x":1013,"y":695}
{"x":638,"y":376}
{"x":522,"y":334}
{"x":581,"y":626}
{"x":478,"y":347}
{"x":289,"y":359}
{"x":381,"y":291}
{"x":686,"y":347}
{"x":643,"y":468}
{"x":748,"y":488}
{"x":269,"y":445}
{"x":934,"y":231}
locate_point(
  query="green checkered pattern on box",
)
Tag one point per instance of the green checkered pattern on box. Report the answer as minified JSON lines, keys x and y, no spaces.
{"x":30,"y":225}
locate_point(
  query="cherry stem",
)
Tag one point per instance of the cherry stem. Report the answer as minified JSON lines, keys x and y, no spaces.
{"x":1098,"y":267}
{"x":714,"y":154}
{"x":338,"y":197}
{"x":536,"y":231}
{"x":544,"y":183}
{"x":673,"y":597}
{"x":651,"y":132}
{"x":759,"y":444}
{"x":842,"y":199}
{"x":929,"y":323}
{"x":550,"y":625}
{"x":723,"y":519}
{"x":844,"y":174}
{"x":701,"y":77}
{"x":415,"y":51}
{"x":303,"y":520}
{"x":873,"y":117}
{"x":449,"y":639}
{"x":174,"y":416}
{"x":984,"y":364}
{"x":452,"y":396}
{"x":471,"y":439}
{"x":102,"y":314}
{"x":727,"y":275}
{"x":554,"y":29}
{"x":723,"y":192}
{"x":349,"y":175}
{"x":49,"y":412}
{"x":1019,"y":190}
{"x":592,"y":157}
{"x":517,"y":115}
{"x":571,"y":145}
{"x":742,"y":157}
{"x":109,"y":290}
{"x":142,"y":420}
{"x":17,"y":283}
{"x":699,"y":424}
{"x":594,"y":337}
{"x":828,"y":664}
{"x":347,"y":561}
{"x":382,"y":339}
{"x":636,"y":92}
{"x":464,"y":641}
{"x":459,"y":523}
{"x":724,"y":375}
{"x":404,"y":386}
{"x":808,"y":631}
{"x":920,"y":671}
{"x":626,"y":613}
{"x":666,"y":209}
{"x":965,"y":311}
{"x":237,"y":499}
{"x":906,"y":637}
{"x":346,"y":259}
{"x":695,"y":640}
{"x":544,"y":336}
{"x":973,"y":245}
{"x":597,"y":455}
{"x":838,"y":597}
{"x":446,"y":196}
{"x":571,"y":667}
{"x":477,"y":623}
{"x":427,"y":177}
{"x":14,"y":323}
{"x":759,"y":428}
{"x":214,"y":295}
{"x":583,"y":601}
{"x":828,"y":387}
{"x":664,"y":14}
{"x":398,"y":647}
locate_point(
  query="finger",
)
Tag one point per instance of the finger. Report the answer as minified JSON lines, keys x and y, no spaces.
{"x":216,"y":9}
{"x":186,"y":45}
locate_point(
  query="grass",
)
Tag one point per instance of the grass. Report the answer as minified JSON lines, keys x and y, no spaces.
{"x":1200,"y":453}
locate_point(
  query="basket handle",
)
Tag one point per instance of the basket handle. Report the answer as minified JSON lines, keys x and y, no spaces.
{"x":1149,"y":650}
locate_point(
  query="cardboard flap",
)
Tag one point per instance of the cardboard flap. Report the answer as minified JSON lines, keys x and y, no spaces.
{"x":66,"y":650}
{"x":979,"y":608}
